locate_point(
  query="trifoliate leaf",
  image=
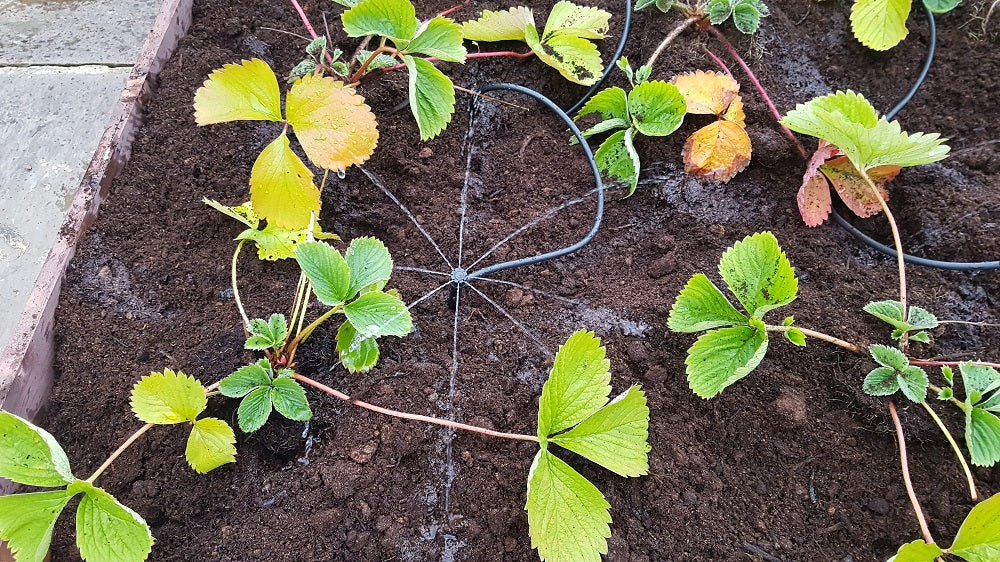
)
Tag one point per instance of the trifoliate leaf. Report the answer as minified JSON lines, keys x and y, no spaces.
{"x":267,"y":334}
{"x":707,"y":93}
{"x":254,"y":409}
{"x":881,"y":381}
{"x":567,"y":18}
{"x":239,"y":92}
{"x":31,"y":455}
{"x":440,"y":37}
{"x":578,"y":385}
{"x":289,"y":399}
{"x":168,"y":398}
{"x":370,"y":264}
{"x":702,"y":306}
{"x":27,"y":520}
{"x":796,"y":336}
{"x":917,"y":551}
{"x":432,"y":96}
{"x":852,"y":187}
{"x":758,"y":273}
{"x":281,"y":187}
{"x":357,"y":354}
{"x":845,"y":119}
{"x":506,"y":25}
{"x":327,"y":270}
{"x":616,"y":161}
{"x":880,"y":24}
{"x":245,"y":379}
{"x":576,"y":58}
{"x":657,"y":108}
{"x":721,"y":357}
{"x":106,"y":530}
{"x":376,"y":314}
{"x":243,"y":213}
{"x":395,"y":19}
{"x":717,"y":151}
{"x":941,"y":6}
{"x":913,"y":382}
{"x":982,"y":436}
{"x":978,"y":539}
{"x":611,"y":103}
{"x":210,"y":445}
{"x":332,"y":122}
{"x":814,"y":198}
{"x":567,"y":515}
{"x":614,"y":436}
{"x":888,"y":356}
{"x":978,"y":379}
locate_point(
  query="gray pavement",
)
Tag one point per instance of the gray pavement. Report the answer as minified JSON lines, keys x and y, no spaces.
{"x":63,"y":64}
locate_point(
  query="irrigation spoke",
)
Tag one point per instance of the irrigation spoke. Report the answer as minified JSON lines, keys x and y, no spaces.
{"x":464,"y":203}
{"x":543,"y":217}
{"x":422,"y":270}
{"x":378,"y":183}
{"x":533,"y":290}
{"x":449,"y":434}
{"x":514,"y":321}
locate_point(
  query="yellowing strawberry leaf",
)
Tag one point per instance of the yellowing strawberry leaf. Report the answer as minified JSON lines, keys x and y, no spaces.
{"x":735,"y":112}
{"x":370,"y":265}
{"x":168,"y":398}
{"x":978,"y":539}
{"x":567,"y":18}
{"x":31,"y":455}
{"x":721,"y":357}
{"x":210,"y":445}
{"x":276,"y":243}
{"x":281,"y":187}
{"x":327,"y":270}
{"x":27,"y":520}
{"x":239,"y":92}
{"x":617,"y":158}
{"x":576,"y":58}
{"x":440,"y":37}
{"x":505,"y":25}
{"x":707,"y":93}
{"x":332,"y":122}
{"x":375,"y":314}
{"x":854,"y":190}
{"x":717,"y":151}
{"x":243,"y":213}
{"x":880,"y":24}
{"x":702,"y":306}
{"x":432,"y":96}
{"x":106,"y":530}
{"x":567,"y":515}
{"x":759,"y":274}
{"x":578,"y":385}
{"x":395,"y":19}
{"x":614,"y":436}
{"x":657,"y":108}
{"x":845,"y":119}
{"x":356,"y":353}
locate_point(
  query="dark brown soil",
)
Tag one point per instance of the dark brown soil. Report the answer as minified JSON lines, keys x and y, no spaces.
{"x":794,"y":461}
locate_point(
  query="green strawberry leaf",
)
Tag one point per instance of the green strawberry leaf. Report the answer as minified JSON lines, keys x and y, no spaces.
{"x":611,"y":103}
{"x":578,"y":385}
{"x":376,"y":314}
{"x":27,"y":520}
{"x":978,"y":539}
{"x":267,"y":334}
{"x":721,"y":357}
{"x":796,"y":336}
{"x":289,"y":399}
{"x":978,"y":379}
{"x":758,"y":273}
{"x":106,"y":530}
{"x":888,"y":356}
{"x":168,"y":398}
{"x":327,"y":270}
{"x":702,"y":306}
{"x":657,"y":108}
{"x":441,"y":38}
{"x":210,"y":445}
{"x":432,"y":96}
{"x":245,"y":379}
{"x":941,"y":6}
{"x":31,"y":455}
{"x":370,"y":265}
{"x":395,"y":19}
{"x":917,"y":551}
{"x":357,"y":354}
{"x":615,"y":160}
{"x":881,"y":381}
{"x":254,"y":409}
{"x":602,"y":127}
{"x":982,"y":435}
{"x":913,"y":382}
{"x":615,"y":436}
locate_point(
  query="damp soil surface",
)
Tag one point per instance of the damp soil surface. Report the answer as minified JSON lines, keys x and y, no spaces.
{"x":791,"y":463}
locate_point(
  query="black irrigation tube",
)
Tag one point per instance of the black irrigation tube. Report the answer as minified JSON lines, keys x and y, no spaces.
{"x":460,"y":276}
{"x":875,"y":244}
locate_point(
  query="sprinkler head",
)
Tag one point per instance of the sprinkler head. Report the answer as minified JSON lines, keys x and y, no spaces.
{"x":459,"y":276}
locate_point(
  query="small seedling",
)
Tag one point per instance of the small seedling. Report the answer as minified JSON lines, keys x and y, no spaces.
{"x":565,"y":44}
{"x":911,"y":324}
{"x":745,"y":14}
{"x":881,"y":24}
{"x":895,"y":374}
{"x":761,"y":278}
{"x":977,"y":540}
{"x":261,"y":389}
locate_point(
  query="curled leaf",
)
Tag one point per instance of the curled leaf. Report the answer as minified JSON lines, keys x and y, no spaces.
{"x":717,"y":151}
{"x":854,"y":190}
{"x":814,"y":195}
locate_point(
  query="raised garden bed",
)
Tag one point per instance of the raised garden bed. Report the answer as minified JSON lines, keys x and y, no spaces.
{"x":793,"y":463}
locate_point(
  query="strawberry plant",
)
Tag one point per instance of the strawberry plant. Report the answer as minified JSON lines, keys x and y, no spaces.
{"x":881,"y":24}
{"x":745,"y":14}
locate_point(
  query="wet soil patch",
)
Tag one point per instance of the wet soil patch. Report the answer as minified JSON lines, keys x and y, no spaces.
{"x":793,"y":461}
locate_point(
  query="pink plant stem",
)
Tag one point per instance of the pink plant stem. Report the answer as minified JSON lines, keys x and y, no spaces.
{"x":454,"y":8}
{"x":763,"y":93}
{"x":309,"y":27}
{"x":719,"y":62}
{"x":923,"y":363}
{"x":906,"y":475}
{"x":407,"y":416}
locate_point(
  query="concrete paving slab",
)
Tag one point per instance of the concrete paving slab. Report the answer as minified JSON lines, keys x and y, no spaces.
{"x":51,"y":119}
{"x":74,"y":32}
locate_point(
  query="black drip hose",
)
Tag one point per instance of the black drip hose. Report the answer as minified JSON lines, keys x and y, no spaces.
{"x":875,"y":244}
{"x":626,"y":30}
{"x":599,"y":186}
